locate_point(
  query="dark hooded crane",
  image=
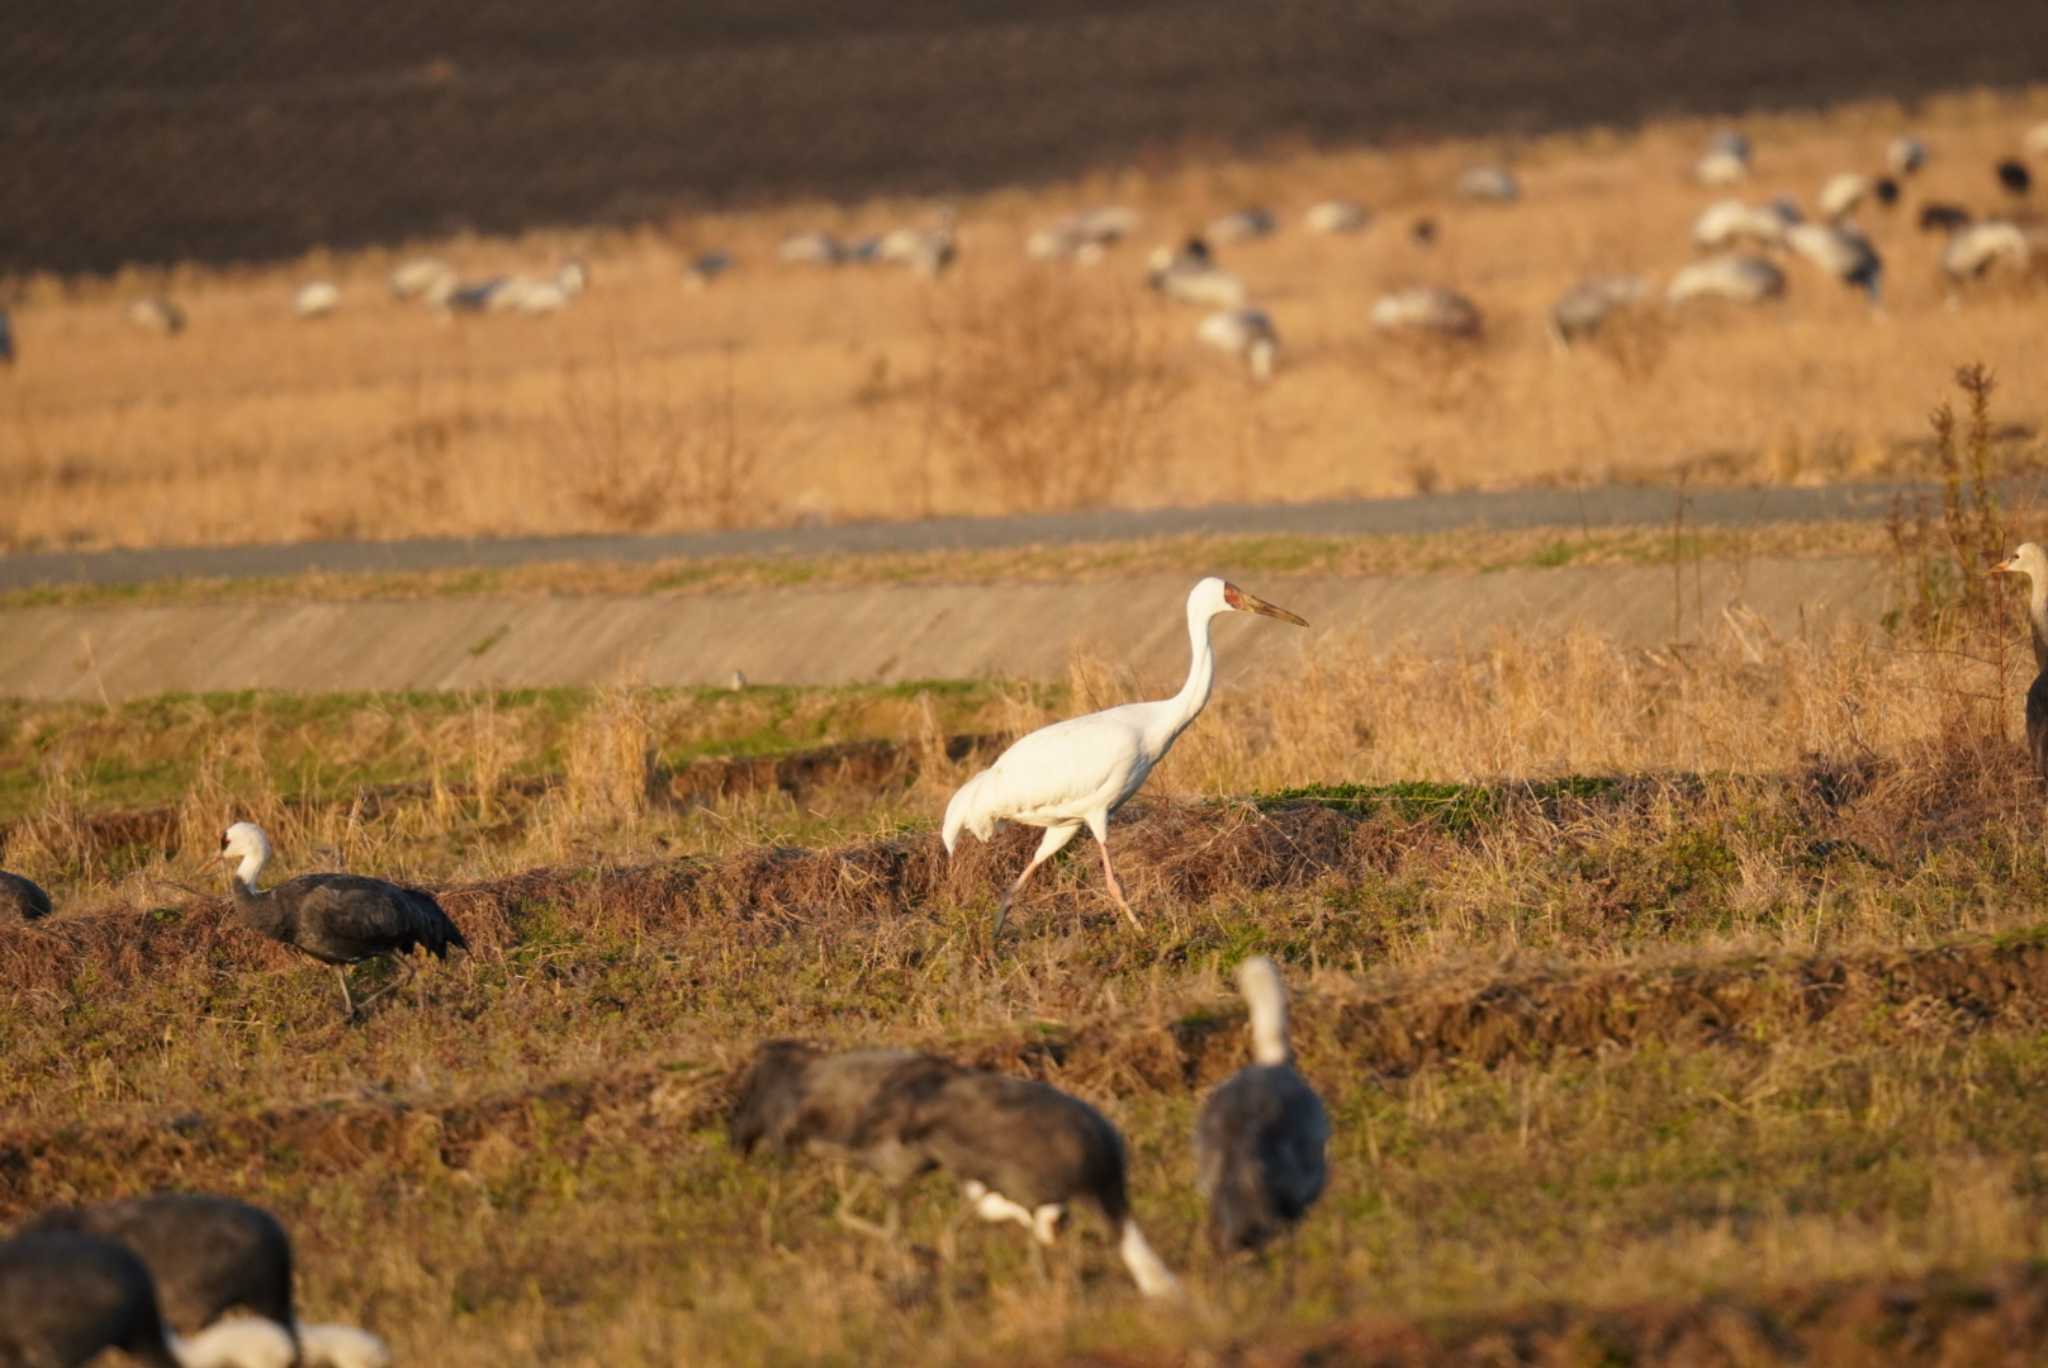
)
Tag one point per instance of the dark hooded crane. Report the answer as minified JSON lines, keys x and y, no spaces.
{"x":21,"y":898}
{"x":1022,"y":1151}
{"x":65,"y":1298}
{"x":796,"y":1099}
{"x":2031,"y":561}
{"x":1027,"y":1152}
{"x":210,"y":1256}
{"x":338,"y":919}
{"x":1260,"y":1137}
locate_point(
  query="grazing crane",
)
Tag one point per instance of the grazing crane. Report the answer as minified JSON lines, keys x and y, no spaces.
{"x":1978,"y":248}
{"x":316,"y":299}
{"x":1077,"y":772}
{"x":211,"y":1255}
{"x":1937,"y":217}
{"x":1336,"y":216}
{"x":1191,"y":276}
{"x":65,"y":1298}
{"x":1260,"y":1136}
{"x":1726,"y":160}
{"x":1026,"y":1152}
{"x":1841,"y":251}
{"x":1246,"y":333}
{"x":338,"y":919}
{"x":1022,"y":1151}
{"x":1581,"y":310}
{"x":22,"y":897}
{"x":427,"y":278}
{"x":928,"y":251}
{"x":1083,"y":236}
{"x":1841,"y":194}
{"x":1423,"y":232}
{"x":2032,"y":562}
{"x":1492,"y":184}
{"x":1731,"y":223}
{"x":813,"y":249}
{"x":1427,"y":308}
{"x":706,"y":268}
{"x":1737,"y":276}
{"x":1241,"y":226}
{"x":158,"y":315}
{"x":1905,"y":155}
{"x":2035,"y":144}
{"x":2014,"y":176}
{"x":796,"y":1098}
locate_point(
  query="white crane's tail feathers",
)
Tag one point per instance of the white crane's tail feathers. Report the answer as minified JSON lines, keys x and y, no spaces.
{"x":1153,"y":1277}
{"x":964,"y":810}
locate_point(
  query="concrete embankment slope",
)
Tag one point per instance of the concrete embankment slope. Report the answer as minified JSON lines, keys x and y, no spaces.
{"x":878,"y":634}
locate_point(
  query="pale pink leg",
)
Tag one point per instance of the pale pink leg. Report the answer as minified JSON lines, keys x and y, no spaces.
{"x":1099,"y":824}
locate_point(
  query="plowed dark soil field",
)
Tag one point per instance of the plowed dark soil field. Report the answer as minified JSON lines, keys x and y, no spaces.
{"x":226,"y":132}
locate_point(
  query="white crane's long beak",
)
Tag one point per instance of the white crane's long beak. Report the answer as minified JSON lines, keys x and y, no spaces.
{"x":1251,"y":603}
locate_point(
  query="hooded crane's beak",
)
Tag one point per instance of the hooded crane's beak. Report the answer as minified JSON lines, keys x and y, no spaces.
{"x":2009,"y":566}
{"x":1251,"y":603}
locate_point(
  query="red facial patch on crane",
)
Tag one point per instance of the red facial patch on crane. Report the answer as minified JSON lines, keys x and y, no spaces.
{"x":1233,"y":595}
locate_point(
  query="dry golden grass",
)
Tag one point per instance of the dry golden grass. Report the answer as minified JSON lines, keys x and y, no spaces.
{"x":790,"y":393}
{"x":1761,"y":1011}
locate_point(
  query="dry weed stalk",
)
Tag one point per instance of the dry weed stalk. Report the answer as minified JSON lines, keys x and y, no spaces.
{"x":610,"y":761}
{"x":1054,"y":395}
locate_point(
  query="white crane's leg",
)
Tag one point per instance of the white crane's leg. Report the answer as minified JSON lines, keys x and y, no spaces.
{"x":1098,"y":822}
{"x":1049,"y":846}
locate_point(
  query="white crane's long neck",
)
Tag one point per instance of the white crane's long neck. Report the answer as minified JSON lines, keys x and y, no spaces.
{"x":2037,"y":618}
{"x":1186,"y":705}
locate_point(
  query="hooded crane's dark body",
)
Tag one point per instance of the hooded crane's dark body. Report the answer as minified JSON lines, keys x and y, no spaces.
{"x":1259,"y":1139}
{"x":837,"y":1106}
{"x":343,"y":919}
{"x":207,"y":1255}
{"x":64,"y":1298}
{"x":22,"y":898}
{"x":1021,"y":1149}
{"x":1031,"y":1143}
{"x":1259,"y":1155}
{"x":903,"y":1114}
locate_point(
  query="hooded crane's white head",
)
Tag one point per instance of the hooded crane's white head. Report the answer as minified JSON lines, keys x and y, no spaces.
{"x":245,"y":841}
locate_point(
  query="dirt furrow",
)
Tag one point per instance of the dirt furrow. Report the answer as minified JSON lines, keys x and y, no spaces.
{"x":1511,"y":1015}
{"x":868,"y":764}
{"x":1993,"y":1316}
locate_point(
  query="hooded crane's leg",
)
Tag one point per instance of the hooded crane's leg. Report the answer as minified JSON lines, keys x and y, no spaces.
{"x":1098,"y":822}
{"x":405,"y":974}
{"x":1049,"y":846}
{"x":348,"y":1002}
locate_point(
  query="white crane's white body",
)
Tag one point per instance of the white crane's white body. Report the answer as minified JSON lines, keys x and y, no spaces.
{"x":1077,"y":772}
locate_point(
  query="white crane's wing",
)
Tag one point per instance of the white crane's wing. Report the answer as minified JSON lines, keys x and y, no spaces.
{"x":1063,"y":772}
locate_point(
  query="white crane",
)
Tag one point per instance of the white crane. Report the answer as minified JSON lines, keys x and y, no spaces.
{"x":1495,"y":184}
{"x":1726,"y":160}
{"x":1077,"y":772}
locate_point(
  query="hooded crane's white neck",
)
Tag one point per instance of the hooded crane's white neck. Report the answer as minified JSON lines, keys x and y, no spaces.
{"x":1185,"y":706}
{"x":1266,"y":998}
{"x":255,"y":848}
{"x":2037,"y":617}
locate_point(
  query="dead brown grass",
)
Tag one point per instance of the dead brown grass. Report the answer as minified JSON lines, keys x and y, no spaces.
{"x":785,"y":393}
